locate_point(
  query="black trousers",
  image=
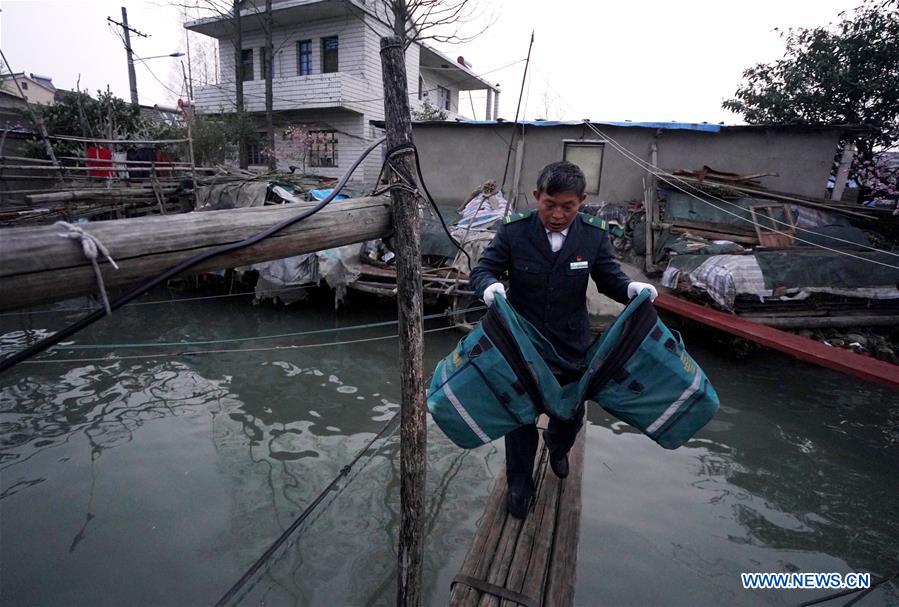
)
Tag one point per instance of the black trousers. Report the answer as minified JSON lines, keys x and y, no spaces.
{"x":521,"y":445}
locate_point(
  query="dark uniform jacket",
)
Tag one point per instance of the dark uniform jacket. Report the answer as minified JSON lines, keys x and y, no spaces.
{"x":550,"y":289}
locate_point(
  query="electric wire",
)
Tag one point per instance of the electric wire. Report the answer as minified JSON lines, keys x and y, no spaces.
{"x":662,"y":176}
{"x":232,"y":340}
{"x":185,"y":265}
{"x":658,"y":172}
{"x":228,"y":89}
{"x":285,"y":535}
{"x":154,"y":302}
{"x":111,"y":358}
{"x":421,"y":180}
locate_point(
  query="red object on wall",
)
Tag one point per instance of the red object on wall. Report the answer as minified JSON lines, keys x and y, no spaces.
{"x":99,"y":161}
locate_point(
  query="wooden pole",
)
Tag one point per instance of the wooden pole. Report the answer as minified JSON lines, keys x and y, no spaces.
{"x":132,"y":78}
{"x":649,"y":203}
{"x":268,"y":61}
{"x":40,"y":267}
{"x":407,"y":228}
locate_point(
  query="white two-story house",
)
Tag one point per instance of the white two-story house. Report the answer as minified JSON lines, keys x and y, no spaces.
{"x":326,"y":80}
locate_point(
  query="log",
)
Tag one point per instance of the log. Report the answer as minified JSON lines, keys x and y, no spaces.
{"x":37,"y":266}
{"x":95,"y":193}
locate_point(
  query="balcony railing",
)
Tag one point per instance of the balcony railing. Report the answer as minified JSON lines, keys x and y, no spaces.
{"x":338,"y":89}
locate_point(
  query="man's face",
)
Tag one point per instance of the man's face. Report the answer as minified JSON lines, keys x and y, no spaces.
{"x":557,"y":211}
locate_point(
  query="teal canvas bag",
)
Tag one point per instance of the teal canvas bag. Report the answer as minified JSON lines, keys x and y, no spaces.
{"x":499,"y":377}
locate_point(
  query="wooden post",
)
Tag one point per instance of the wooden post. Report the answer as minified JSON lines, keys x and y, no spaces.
{"x":649,"y":204}
{"x":842,"y":177}
{"x":407,"y":227}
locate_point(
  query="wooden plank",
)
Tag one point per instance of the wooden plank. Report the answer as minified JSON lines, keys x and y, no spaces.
{"x":484,"y":545}
{"x":535,"y":524}
{"x":809,"y":350}
{"x":563,"y":569}
{"x":534,"y":583}
{"x":38,"y":266}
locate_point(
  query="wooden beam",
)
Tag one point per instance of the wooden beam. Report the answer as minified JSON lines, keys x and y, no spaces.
{"x":39,"y":266}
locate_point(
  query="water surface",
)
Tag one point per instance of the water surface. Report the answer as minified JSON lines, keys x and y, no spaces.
{"x":159,"y":480}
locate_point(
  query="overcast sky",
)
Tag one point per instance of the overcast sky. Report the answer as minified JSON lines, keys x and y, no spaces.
{"x":625,"y":60}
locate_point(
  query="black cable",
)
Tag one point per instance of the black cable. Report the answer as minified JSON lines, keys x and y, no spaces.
{"x":40,"y":346}
{"x":421,"y":180}
{"x":267,"y":555}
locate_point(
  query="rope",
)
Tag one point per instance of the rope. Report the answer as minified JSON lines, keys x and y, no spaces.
{"x":285,"y":535}
{"x":150,"y":303}
{"x":227,"y":351}
{"x":90,"y":246}
{"x":208,"y":342}
{"x":659,"y":173}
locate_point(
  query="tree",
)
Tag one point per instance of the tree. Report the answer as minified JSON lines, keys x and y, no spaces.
{"x":419,"y":20}
{"x":843,"y":73}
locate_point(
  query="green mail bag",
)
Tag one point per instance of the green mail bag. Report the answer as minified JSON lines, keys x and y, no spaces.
{"x":499,"y":377}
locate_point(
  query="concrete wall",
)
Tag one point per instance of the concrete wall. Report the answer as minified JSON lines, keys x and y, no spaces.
{"x":458,"y":158}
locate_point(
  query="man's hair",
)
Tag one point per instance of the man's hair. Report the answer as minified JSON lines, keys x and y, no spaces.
{"x":562,"y":176}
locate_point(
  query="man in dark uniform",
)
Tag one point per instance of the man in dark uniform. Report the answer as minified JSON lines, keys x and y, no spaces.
{"x":549,"y":253}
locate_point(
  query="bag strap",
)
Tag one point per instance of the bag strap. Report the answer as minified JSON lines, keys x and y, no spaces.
{"x":503,"y":593}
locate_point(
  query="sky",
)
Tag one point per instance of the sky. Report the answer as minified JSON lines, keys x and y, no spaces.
{"x":640,"y":60}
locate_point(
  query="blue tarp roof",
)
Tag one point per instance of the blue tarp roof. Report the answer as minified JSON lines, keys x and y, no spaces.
{"x":685,"y":126}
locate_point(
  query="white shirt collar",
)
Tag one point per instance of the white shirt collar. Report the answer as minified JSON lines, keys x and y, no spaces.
{"x":563,"y":232}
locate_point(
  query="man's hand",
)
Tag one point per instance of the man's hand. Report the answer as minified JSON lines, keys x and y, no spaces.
{"x":491,"y":291}
{"x":633,"y":289}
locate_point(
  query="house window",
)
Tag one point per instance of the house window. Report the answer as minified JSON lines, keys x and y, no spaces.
{"x":421,"y":86}
{"x":323,"y":149}
{"x":588,"y":156}
{"x":329,"y":54}
{"x":266,"y":65}
{"x":443,"y":97}
{"x":24,"y":86}
{"x":246,"y":64}
{"x":254,"y":154}
{"x":304,"y":57}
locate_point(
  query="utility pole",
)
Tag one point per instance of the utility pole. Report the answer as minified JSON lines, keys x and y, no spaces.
{"x":127,"y":31}
{"x":407,"y":236}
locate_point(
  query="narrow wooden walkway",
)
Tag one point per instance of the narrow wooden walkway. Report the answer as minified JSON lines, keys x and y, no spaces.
{"x":535,"y":558}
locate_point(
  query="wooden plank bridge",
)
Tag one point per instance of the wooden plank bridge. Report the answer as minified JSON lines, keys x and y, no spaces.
{"x":530,"y":562}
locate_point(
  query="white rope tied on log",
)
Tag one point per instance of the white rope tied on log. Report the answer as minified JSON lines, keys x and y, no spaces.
{"x":91,"y":247}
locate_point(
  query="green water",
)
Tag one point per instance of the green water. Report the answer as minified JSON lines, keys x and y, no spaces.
{"x":159,"y":480}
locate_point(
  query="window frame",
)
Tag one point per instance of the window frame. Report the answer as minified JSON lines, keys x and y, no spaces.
{"x":326,"y":54}
{"x":246,"y":55}
{"x":587,"y":143}
{"x":301,"y":55}
{"x":254,"y":152}
{"x":446,"y":102}
{"x":315,"y":151}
